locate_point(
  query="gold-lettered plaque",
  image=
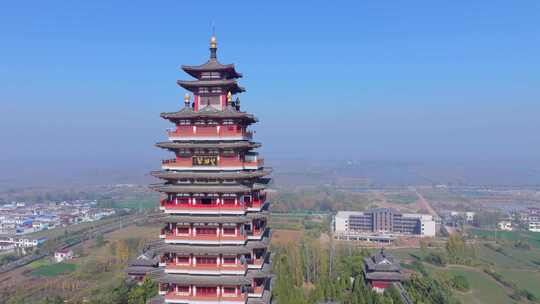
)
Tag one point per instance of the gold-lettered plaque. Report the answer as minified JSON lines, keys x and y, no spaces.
{"x":205,"y":161}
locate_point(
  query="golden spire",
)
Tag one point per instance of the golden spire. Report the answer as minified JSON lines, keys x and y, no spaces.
{"x":213,"y":42}
{"x":229,"y":98}
{"x":186,"y":99}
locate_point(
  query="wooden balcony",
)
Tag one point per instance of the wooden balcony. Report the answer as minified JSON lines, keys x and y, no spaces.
{"x":222,"y":164}
{"x":256,"y":292}
{"x":256,"y":234}
{"x":214,"y":208}
{"x":256,"y":204}
{"x":223,"y":132}
{"x":174,"y":297}
{"x":203,"y":238}
{"x":172,"y":267}
{"x":258,"y":263}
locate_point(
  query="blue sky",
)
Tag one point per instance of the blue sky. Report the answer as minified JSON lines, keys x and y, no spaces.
{"x":85,"y":81}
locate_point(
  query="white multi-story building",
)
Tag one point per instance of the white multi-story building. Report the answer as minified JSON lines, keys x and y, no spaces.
{"x":534,"y":226}
{"x":505,"y":225}
{"x":383,"y":222}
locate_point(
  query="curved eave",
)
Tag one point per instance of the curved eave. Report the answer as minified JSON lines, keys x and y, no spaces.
{"x":240,"y":175}
{"x":215,"y":218}
{"x":211,"y":66}
{"x":193,"y":85}
{"x":201,"y":280}
{"x":215,"y":145}
{"x":206,"y":188}
{"x":190,"y":114}
{"x":212,"y":250}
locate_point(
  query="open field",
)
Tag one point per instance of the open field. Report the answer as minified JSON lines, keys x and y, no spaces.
{"x":532,"y":237}
{"x":53,"y":269}
{"x":401,"y":198}
{"x":137,"y":204}
{"x":529,"y":280}
{"x":97,"y":268}
{"x":483,"y":288}
{"x":517,"y":266}
{"x":283,"y":237}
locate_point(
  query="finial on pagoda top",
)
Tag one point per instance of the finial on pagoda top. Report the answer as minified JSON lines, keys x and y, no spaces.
{"x":186,"y":100}
{"x":213,"y":44}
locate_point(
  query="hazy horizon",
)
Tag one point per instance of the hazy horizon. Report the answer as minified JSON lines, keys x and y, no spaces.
{"x":452,"y":85}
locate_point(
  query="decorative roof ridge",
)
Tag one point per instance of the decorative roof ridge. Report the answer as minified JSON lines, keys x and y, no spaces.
{"x":210,"y":63}
{"x":217,"y":113}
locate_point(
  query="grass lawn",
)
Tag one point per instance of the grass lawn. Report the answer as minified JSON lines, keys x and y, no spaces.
{"x":401,"y":198}
{"x":404,"y":254}
{"x":38,"y":263}
{"x":143,"y":204}
{"x":483,"y":288}
{"x":532,"y":237}
{"x":510,"y":259}
{"x":53,"y":269}
{"x":529,"y":280}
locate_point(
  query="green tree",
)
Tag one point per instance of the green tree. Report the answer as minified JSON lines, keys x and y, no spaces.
{"x":99,"y":241}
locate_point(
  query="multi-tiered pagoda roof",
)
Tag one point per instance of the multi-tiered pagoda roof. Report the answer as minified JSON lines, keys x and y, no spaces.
{"x":382,"y":270}
{"x":214,"y":236}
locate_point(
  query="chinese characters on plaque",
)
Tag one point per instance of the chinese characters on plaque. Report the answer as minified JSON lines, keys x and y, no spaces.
{"x":205,"y":161}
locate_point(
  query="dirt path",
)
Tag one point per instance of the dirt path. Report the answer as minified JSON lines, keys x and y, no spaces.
{"x":425,"y":204}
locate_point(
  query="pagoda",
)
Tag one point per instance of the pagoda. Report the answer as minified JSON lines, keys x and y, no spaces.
{"x":382,"y":270}
{"x":214,"y":235}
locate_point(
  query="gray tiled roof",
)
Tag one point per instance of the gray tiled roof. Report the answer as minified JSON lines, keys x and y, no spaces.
{"x":236,"y":188}
{"x":208,"y":145}
{"x":230,"y":84}
{"x":385,"y":276}
{"x":226,"y":249}
{"x":212,"y":175}
{"x":208,"y":112}
{"x":215,"y":218}
{"x":211,"y":65}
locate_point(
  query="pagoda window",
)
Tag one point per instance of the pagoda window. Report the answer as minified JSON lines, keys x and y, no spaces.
{"x":183,"y":290}
{"x":229,"y":231}
{"x":247,"y":199}
{"x":229,"y":260}
{"x":228,"y":153}
{"x":206,"y":201}
{"x":184,"y":122}
{"x":229,"y":290}
{"x":203,"y":90}
{"x":212,"y":123}
{"x":182,"y":230}
{"x":206,"y":261}
{"x":229,"y":201}
{"x":216,"y":90}
{"x":213,"y":101}
{"x":206,"y":291}
{"x":210,"y":75}
{"x":228,"y":122}
{"x":182,"y":200}
{"x":229,"y":181}
{"x":182,"y":260}
{"x":207,"y":231}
